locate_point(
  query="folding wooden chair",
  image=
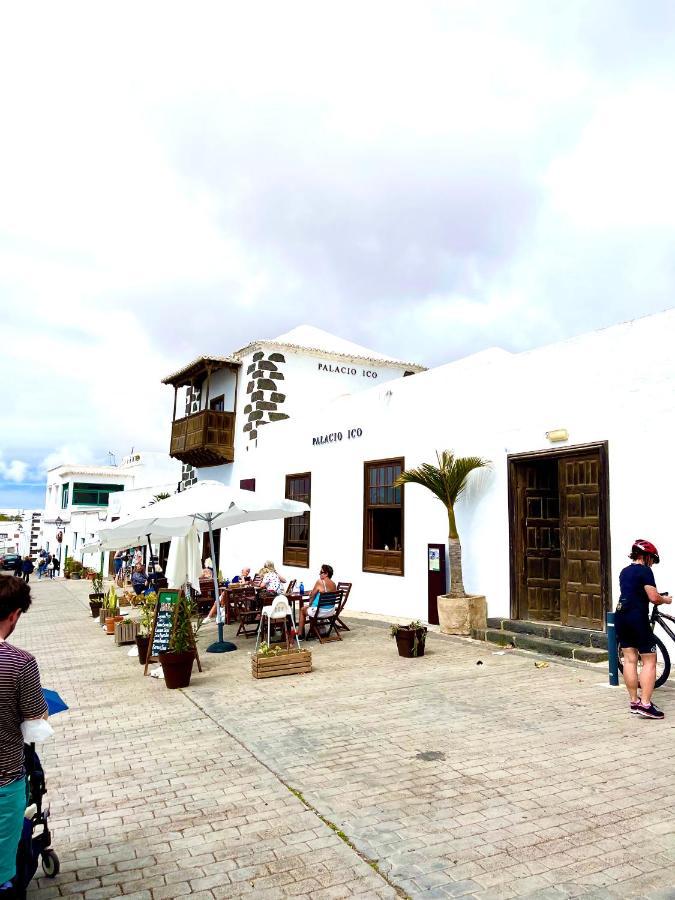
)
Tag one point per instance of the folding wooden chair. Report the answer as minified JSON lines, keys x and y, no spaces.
{"x":344,"y":587}
{"x":291,"y":586}
{"x":325,"y":614}
{"x":247,"y":611}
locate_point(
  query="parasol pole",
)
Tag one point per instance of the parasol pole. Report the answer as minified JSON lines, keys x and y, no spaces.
{"x":219,"y":646}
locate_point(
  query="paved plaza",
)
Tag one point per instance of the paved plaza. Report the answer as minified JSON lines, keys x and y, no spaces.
{"x":373,"y":776}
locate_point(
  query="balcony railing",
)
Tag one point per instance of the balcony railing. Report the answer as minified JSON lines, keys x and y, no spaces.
{"x":205,"y":438}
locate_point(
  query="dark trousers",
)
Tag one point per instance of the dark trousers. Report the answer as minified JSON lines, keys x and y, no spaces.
{"x":26,"y":577}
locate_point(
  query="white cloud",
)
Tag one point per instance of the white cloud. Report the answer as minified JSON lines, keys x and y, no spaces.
{"x":15,"y":470}
{"x":427,"y":181}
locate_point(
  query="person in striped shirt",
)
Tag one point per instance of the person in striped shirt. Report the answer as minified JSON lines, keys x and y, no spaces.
{"x":21,"y":699}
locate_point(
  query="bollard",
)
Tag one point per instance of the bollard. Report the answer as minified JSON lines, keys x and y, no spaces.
{"x":613,"y":651}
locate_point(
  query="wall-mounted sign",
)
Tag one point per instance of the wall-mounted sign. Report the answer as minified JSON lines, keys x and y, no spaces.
{"x":336,"y":436}
{"x":346,"y":370}
{"x":434,"y":559}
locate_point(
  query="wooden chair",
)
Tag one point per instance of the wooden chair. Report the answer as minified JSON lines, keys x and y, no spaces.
{"x":325,"y":613}
{"x":257,"y":581}
{"x":247,"y":611}
{"x":206,"y":596}
{"x":344,"y":587}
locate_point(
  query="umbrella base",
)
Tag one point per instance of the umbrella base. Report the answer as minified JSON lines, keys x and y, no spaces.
{"x":221,"y":647}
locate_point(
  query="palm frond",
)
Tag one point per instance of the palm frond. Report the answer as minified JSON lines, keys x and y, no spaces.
{"x":448,"y":479}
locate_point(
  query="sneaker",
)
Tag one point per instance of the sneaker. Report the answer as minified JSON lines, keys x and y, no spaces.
{"x":634,"y":705}
{"x":649,"y":712}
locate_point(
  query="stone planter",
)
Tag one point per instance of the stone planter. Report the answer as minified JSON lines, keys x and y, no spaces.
{"x":462,"y":615}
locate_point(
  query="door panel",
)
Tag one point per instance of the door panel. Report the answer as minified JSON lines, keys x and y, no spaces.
{"x":538,"y":510}
{"x":582,"y":600}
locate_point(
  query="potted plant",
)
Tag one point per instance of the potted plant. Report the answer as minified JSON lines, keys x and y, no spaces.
{"x":410,"y":639}
{"x":76,"y":569}
{"x":96,"y":597}
{"x":144,"y":625}
{"x":270,"y":662}
{"x":177,"y":661}
{"x":458,"y":612}
{"x":110,"y":606}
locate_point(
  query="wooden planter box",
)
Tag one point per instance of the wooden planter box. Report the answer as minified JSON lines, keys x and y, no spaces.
{"x":288,"y":662}
{"x":125,"y":633}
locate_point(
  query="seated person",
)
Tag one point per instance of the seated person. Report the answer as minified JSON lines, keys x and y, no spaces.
{"x":272,"y":580}
{"x":324,"y":585}
{"x":138,"y":579}
{"x":244,"y":577}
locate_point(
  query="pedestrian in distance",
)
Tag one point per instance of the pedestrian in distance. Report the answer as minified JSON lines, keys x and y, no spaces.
{"x":27,"y":568}
{"x":22,"y":701}
{"x":50,"y":567}
{"x":633,"y":630}
{"x":56,"y":566}
{"x":18,"y":567}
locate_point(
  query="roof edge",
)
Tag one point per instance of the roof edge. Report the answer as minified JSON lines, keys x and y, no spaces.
{"x":396,"y":363}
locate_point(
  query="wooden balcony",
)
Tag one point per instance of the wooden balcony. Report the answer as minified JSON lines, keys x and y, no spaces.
{"x":205,"y":438}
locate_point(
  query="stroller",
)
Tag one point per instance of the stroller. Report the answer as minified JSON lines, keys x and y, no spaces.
{"x":36,"y":838}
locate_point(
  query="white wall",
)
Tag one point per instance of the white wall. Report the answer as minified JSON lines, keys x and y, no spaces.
{"x":616,"y":385}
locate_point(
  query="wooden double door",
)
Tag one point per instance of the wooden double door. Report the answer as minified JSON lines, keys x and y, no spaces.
{"x":559,"y":504}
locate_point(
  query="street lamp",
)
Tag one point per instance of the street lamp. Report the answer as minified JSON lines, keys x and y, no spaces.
{"x":59,"y":536}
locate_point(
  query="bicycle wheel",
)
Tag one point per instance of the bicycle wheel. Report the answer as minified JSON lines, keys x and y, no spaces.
{"x":662,"y":662}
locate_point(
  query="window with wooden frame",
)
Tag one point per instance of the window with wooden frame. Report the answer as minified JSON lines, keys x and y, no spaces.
{"x":218,"y":403}
{"x":296,"y":529}
{"x":383,"y":517}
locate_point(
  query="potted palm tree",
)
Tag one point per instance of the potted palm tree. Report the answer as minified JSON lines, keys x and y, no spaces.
{"x":458,"y":612}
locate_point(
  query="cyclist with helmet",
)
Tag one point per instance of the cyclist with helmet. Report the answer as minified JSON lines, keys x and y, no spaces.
{"x":633,"y":631}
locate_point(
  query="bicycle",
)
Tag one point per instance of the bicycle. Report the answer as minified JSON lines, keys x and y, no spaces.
{"x":662,"y":656}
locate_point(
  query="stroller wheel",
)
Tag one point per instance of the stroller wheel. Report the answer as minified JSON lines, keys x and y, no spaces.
{"x":50,"y":864}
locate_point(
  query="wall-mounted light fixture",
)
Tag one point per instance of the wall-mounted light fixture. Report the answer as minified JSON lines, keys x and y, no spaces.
{"x":560,"y":434}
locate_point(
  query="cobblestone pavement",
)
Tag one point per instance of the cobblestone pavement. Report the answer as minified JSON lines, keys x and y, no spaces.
{"x":452,"y":778}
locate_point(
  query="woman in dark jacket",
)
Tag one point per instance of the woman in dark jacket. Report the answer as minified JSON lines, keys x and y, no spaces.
{"x":27,"y":568}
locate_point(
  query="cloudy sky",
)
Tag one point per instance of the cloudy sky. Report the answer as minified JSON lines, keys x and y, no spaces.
{"x":425,"y":178}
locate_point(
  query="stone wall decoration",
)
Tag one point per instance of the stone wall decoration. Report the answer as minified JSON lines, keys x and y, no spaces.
{"x":265,"y":390}
{"x":193,"y":397}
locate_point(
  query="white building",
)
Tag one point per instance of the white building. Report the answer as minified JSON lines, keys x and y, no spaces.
{"x":579,"y":433}
{"x":82,"y":499}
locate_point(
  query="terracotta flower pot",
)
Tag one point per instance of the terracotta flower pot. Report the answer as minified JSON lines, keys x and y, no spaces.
{"x":143,"y":643}
{"x":177,"y":668}
{"x":110,"y":623}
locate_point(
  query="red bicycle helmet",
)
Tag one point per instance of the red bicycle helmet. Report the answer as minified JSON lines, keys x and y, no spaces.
{"x":642,"y":546}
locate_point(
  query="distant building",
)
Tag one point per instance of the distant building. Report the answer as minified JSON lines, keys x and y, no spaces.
{"x":81,"y":499}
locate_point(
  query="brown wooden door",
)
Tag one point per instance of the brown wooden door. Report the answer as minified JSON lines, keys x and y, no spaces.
{"x":582,"y":595}
{"x":538,"y":513}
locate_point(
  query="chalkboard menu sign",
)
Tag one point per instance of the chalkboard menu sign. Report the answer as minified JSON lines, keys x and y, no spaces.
{"x":167,"y":601}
